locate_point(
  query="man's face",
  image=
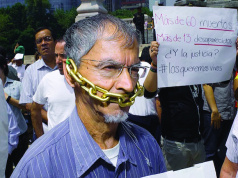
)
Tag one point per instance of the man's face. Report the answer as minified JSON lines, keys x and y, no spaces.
{"x":45,"y":43}
{"x":19,"y":62}
{"x":60,"y":55}
{"x":108,"y":54}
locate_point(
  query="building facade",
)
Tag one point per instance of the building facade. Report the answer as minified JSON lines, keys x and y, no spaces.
{"x":5,"y":3}
{"x":209,"y":3}
{"x":112,"y":5}
{"x":133,"y":4}
{"x":55,"y":4}
{"x":64,"y":4}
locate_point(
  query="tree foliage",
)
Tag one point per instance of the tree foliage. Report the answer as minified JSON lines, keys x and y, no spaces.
{"x":65,"y":18}
{"x":124,"y":13}
{"x":19,"y":22}
{"x":38,"y":13}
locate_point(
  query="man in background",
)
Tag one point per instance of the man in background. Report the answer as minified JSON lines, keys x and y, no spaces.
{"x":180,"y":119}
{"x":139,"y":21}
{"x":54,"y":91}
{"x":19,"y":66}
{"x":12,"y":74}
{"x":45,"y":42}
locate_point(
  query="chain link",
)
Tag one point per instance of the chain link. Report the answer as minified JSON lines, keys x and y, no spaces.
{"x":92,"y":89}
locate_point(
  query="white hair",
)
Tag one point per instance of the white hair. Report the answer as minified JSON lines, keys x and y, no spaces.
{"x":83,"y":35}
{"x":120,"y":117}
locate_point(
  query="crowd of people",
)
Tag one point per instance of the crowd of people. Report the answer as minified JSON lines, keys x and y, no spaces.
{"x":96,"y":110}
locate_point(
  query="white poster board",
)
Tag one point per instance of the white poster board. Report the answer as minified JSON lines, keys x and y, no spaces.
{"x":197,"y":44}
{"x":202,"y":170}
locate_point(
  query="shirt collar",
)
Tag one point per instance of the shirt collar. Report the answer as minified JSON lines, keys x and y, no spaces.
{"x":87,"y":151}
{"x":41,"y":63}
{"x":8,"y":80}
{"x":124,"y":153}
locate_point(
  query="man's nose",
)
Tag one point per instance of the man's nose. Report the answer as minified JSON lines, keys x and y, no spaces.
{"x":58,"y":59}
{"x":44,"y":42}
{"x":125,"y":82}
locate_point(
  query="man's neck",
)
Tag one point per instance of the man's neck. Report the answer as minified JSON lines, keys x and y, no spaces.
{"x":4,"y":79}
{"x":49,"y":61}
{"x":104,"y":134}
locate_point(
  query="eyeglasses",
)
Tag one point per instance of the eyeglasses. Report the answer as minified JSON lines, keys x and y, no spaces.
{"x":112,"y":69}
{"x":46,"y":38}
{"x":61,"y":55}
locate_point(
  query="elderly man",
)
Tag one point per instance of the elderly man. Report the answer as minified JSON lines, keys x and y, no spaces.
{"x":95,"y":141}
{"x":54,"y":91}
{"x":45,"y":43}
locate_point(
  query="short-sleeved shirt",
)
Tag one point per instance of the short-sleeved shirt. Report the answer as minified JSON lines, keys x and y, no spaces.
{"x":68,"y":150}
{"x":20,"y":70}
{"x":13,"y":89}
{"x":232,"y":142}
{"x":142,"y":105}
{"x":32,"y":77}
{"x":59,"y":96}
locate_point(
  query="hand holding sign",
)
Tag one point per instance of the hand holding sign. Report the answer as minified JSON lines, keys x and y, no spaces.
{"x":154,"y":51}
{"x":194,"y":49}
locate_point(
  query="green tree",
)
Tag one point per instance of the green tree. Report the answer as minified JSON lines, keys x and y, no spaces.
{"x":147,"y":11}
{"x":38,"y":13}
{"x":64,"y":19}
{"x":7,"y":32}
{"x":18,"y":15}
{"x":28,"y":39}
{"x":122,"y":13}
{"x":19,"y":22}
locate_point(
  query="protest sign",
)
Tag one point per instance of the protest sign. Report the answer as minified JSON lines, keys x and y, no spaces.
{"x":197,"y":44}
{"x":201,"y":170}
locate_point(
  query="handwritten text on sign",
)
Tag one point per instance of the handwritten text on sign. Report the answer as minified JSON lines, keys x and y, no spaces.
{"x":197,"y":45}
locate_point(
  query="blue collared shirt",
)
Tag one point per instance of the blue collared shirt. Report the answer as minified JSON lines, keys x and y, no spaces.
{"x":68,"y":150}
{"x":32,"y":77}
{"x":13,"y":89}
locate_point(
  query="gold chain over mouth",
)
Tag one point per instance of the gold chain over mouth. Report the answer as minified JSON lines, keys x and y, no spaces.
{"x":123,"y":100}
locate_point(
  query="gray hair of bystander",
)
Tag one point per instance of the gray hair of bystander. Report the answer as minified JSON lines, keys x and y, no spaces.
{"x":82,"y":35}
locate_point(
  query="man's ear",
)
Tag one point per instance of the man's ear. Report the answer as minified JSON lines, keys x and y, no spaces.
{"x":67,"y":76}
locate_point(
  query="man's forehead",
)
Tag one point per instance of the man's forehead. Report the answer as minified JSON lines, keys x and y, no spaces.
{"x":60,"y":43}
{"x":59,"y":47}
{"x":115,"y":61}
{"x":42,"y":33}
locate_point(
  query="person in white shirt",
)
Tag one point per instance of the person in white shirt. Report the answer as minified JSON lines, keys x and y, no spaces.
{"x":230,"y":164}
{"x":54,"y":91}
{"x":3,"y":132}
{"x":143,"y":112}
{"x":19,"y":66}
